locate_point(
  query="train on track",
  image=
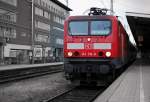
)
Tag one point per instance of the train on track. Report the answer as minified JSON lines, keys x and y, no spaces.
{"x":95,"y":47}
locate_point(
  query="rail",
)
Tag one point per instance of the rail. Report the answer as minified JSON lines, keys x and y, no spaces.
{"x":78,"y":94}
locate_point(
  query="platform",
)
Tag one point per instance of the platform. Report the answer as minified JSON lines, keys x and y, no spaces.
{"x":23,"y":66}
{"x":132,"y":86}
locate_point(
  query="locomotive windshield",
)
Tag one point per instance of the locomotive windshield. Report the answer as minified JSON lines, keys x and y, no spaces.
{"x":102,"y":27}
{"x":78,"y":28}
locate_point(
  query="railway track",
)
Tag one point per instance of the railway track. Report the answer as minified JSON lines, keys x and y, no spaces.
{"x":78,"y":94}
{"x":27,"y":73}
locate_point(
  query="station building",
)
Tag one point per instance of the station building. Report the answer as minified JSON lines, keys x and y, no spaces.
{"x":31,"y":27}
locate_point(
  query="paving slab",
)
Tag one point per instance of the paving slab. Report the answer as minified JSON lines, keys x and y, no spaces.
{"x":12,"y":67}
{"x":132,"y":86}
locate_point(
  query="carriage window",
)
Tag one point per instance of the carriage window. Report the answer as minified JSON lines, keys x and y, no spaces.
{"x":100,"y":27}
{"x":78,"y":28}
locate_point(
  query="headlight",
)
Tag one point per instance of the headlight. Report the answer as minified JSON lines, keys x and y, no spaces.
{"x":70,"y":54}
{"x":108,"y":54}
{"x":89,"y":39}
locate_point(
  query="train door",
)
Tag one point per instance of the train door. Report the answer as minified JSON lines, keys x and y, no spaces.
{"x":122,"y":36}
{"x":122,"y":47}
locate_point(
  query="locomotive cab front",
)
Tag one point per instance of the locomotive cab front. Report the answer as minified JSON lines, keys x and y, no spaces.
{"x":89,"y":47}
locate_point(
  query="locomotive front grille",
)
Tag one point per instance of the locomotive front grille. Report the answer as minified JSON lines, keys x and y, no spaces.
{"x":87,"y":68}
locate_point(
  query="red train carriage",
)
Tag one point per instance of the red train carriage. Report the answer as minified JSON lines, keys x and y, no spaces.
{"x":94,"y":47}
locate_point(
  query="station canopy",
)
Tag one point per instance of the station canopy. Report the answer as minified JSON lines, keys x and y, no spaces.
{"x":138,"y":17}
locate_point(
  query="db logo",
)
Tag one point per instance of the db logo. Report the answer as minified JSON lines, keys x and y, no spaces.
{"x":88,"y":46}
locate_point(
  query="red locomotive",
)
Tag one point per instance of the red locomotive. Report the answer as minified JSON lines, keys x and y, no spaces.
{"x":95,"y":47}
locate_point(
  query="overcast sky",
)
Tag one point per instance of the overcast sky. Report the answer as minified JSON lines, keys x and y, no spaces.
{"x":120,"y":6}
{"x":80,"y":6}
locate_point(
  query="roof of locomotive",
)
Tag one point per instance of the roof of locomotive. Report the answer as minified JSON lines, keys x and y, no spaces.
{"x":91,"y":17}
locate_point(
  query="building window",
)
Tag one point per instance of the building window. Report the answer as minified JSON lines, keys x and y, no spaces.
{"x":8,"y":32}
{"x":7,"y":15}
{"x":49,"y":7}
{"x":49,"y":16}
{"x":38,"y":2}
{"x":23,"y":34}
{"x":53,"y":7}
{"x":58,"y":19}
{"x":59,"y":41}
{"x":42,"y":13}
{"x":42,"y":38}
{"x":45,"y":14}
{"x":57,"y":28}
{"x":11,"y":2}
{"x":36,"y":24}
{"x":38,"y":11}
{"x":42,"y":25}
{"x":1,"y":32}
